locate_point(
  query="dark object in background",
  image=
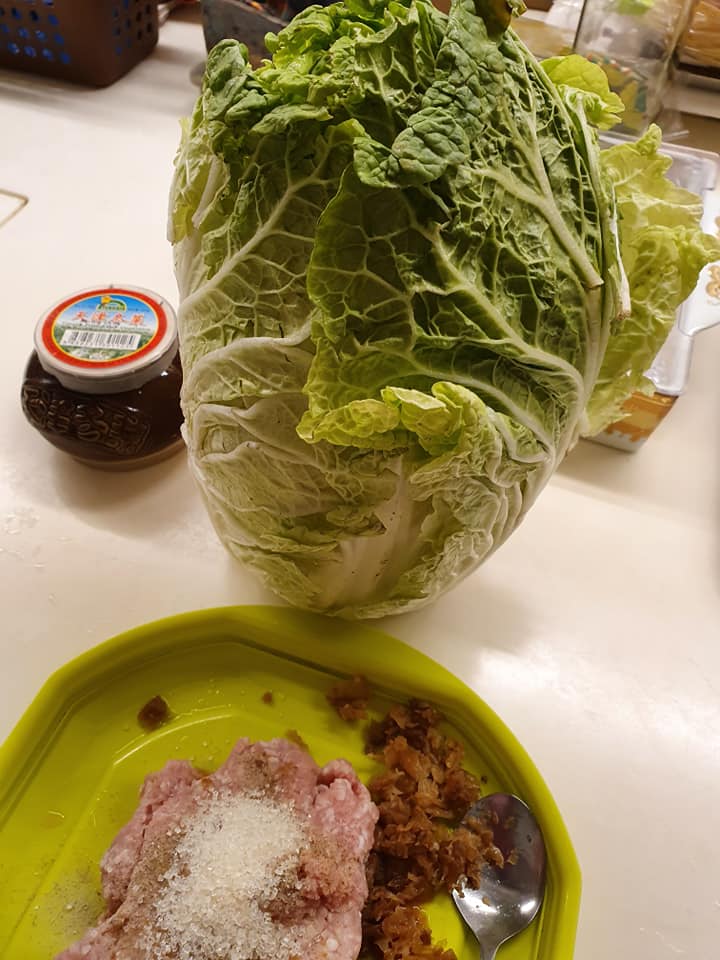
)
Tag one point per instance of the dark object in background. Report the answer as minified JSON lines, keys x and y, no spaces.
{"x":103,"y":383}
{"x":249,"y":21}
{"x":242,"y":20}
{"x":93,"y":42}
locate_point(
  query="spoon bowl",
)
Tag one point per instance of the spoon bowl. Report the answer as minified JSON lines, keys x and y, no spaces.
{"x":507,"y":898}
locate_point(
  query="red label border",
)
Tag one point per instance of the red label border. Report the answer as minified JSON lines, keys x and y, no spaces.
{"x":51,"y":344}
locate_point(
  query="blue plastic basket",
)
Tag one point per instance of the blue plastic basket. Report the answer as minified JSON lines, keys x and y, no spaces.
{"x":85,"y":41}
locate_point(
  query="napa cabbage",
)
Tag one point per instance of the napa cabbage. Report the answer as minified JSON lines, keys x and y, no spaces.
{"x":409,"y":281}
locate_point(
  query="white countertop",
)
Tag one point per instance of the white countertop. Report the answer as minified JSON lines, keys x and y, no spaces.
{"x":594,"y":632}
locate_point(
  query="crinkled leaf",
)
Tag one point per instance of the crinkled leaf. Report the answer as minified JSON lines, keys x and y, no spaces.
{"x":663,"y":250}
{"x":585,"y":84}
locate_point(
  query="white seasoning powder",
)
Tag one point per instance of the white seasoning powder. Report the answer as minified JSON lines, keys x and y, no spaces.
{"x":232,"y":857}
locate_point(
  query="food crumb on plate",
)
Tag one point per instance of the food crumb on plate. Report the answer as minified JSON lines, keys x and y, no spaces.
{"x":294,"y":737}
{"x":350,"y":698}
{"x":154,"y":714}
{"x":268,"y":697}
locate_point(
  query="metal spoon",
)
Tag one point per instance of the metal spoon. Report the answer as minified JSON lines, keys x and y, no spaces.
{"x":508,"y":897}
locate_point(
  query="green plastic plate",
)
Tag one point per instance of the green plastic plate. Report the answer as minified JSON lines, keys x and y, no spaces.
{"x":71,"y":770}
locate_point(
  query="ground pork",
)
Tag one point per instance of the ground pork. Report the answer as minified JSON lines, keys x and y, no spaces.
{"x":310,"y":910}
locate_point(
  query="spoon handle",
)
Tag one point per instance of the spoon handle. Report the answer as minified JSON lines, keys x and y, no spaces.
{"x":488,"y":952}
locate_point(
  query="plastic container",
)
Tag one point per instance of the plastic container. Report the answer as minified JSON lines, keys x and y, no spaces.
{"x":698,"y":55}
{"x":85,"y":41}
{"x":70,"y":772}
{"x":103,"y":383}
{"x":699,"y":48}
{"x":695,"y":170}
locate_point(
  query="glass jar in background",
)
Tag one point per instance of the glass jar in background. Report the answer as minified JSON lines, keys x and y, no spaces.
{"x":633,"y":41}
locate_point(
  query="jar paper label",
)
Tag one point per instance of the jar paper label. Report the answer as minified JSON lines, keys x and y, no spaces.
{"x":107,"y":327}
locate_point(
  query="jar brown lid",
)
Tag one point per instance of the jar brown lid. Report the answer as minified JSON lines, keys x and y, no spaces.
{"x":107,"y":339}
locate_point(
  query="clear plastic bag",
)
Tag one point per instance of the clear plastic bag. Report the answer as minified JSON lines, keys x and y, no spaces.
{"x":633,"y":41}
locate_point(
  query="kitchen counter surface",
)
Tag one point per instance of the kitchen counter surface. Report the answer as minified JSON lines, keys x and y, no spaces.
{"x":594,"y":632}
